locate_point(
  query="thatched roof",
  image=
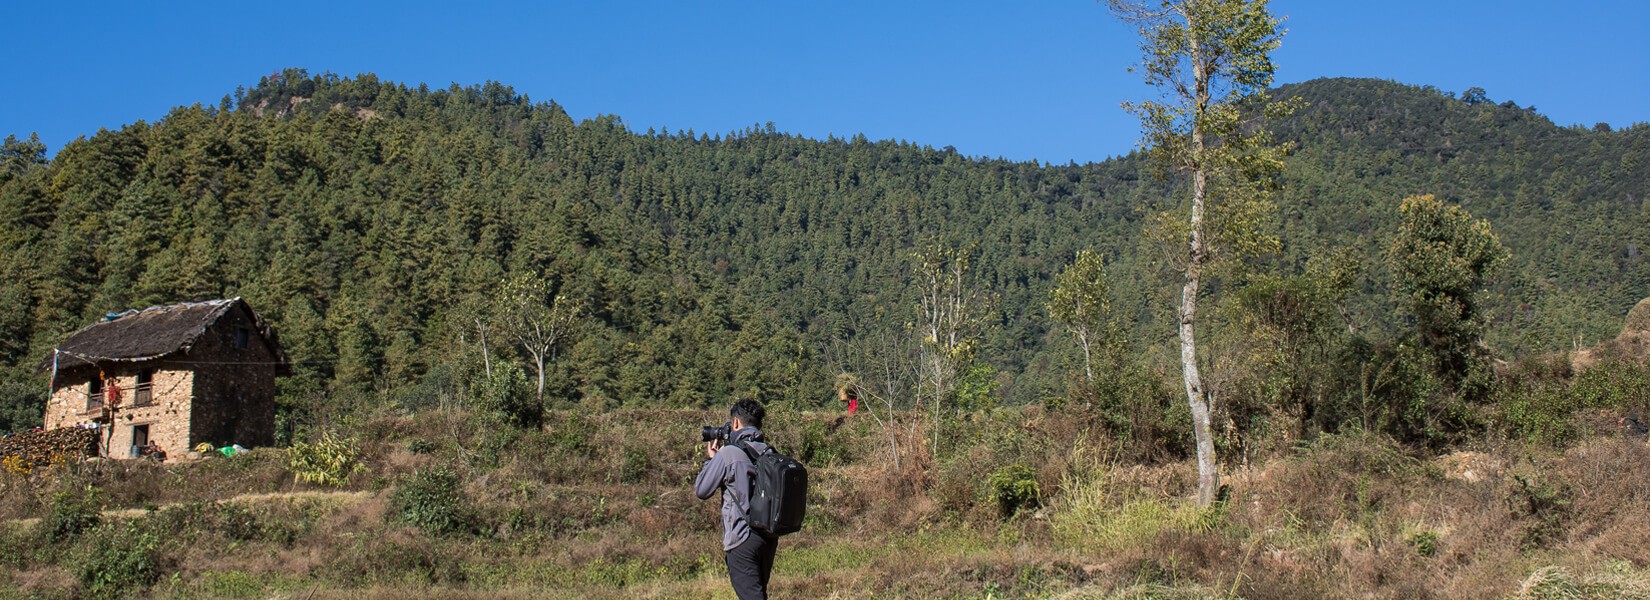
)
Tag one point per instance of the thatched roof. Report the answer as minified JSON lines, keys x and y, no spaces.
{"x":149,"y":334}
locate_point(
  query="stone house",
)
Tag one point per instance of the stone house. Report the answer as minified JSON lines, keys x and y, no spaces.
{"x":182,"y":374}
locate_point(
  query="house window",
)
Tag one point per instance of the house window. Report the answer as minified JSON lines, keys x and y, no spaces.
{"x":144,"y":393}
{"x":94,"y":394}
{"x":243,"y":338}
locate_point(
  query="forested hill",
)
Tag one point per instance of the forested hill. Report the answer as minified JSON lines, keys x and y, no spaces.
{"x":372,"y":221}
{"x":1571,"y":203}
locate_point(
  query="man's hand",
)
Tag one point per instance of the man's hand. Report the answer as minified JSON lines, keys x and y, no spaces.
{"x":711,"y":447}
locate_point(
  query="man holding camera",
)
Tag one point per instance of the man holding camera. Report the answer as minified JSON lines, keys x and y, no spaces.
{"x":748,"y":553}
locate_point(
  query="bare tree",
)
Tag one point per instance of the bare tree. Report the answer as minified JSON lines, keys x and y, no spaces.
{"x":951,"y":320}
{"x":880,"y":369}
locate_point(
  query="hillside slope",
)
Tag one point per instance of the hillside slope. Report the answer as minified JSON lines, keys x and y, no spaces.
{"x":371,"y":220}
{"x":599,"y":506}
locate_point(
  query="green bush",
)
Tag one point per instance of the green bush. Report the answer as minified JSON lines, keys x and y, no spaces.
{"x":977,"y":390}
{"x":235,"y":522}
{"x":73,"y":511}
{"x":430,"y":499}
{"x":421,"y":446}
{"x":1539,"y":399}
{"x":819,"y":443}
{"x":1616,"y":385}
{"x":1014,"y":487}
{"x":1403,"y":397}
{"x":119,"y":560}
{"x":571,"y":435}
{"x":1545,"y":504}
{"x":1538,"y":411}
{"x":634,"y":464}
{"x":328,"y":461}
{"x":1425,"y":542}
{"x":510,"y":396}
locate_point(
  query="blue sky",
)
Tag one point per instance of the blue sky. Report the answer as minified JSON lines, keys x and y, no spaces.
{"x":1027,"y":79}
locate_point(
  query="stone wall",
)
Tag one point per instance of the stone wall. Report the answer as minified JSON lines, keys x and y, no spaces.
{"x":166,"y":415}
{"x":234,"y":391}
{"x":218,"y":392}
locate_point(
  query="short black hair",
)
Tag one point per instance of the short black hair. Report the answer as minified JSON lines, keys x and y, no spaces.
{"x":749,"y":411}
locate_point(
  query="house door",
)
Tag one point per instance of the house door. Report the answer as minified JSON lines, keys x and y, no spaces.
{"x":140,"y":438}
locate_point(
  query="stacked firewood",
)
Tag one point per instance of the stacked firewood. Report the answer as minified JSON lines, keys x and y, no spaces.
{"x":41,"y":448}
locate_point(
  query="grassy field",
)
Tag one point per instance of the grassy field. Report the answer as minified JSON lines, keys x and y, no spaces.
{"x":1014,"y":503}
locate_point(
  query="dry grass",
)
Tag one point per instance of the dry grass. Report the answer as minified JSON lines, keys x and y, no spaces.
{"x":598,"y":507}
{"x":1557,"y":583}
{"x":1638,"y":319}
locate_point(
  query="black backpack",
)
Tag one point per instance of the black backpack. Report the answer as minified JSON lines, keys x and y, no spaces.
{"x":779,"y":492}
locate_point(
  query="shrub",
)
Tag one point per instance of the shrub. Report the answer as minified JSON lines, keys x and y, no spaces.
{"x":1403,"y":397}
{"x":1425,"y":542}
{"x":634,"y":465}
{"x":329,"y":461}
{"x":571,"y":435}
{"x":119,"y":560}
{"x":430,"y":500}
{"x":1537,"y":411}
{"x":819,"y":443}
{"x":1617,"y":385}
{"x":509,"y":396}
{"x":72,"y":511}
{"x":421,"y":447}
{"x":236,"y":522}
{"x":1014,"y":487}
{"x":1547,"y":505}
{"x":1539,"y":399}
{"x":977,"y":390}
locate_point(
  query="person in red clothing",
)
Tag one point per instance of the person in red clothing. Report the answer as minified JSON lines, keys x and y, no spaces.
{"x":111,"y":393}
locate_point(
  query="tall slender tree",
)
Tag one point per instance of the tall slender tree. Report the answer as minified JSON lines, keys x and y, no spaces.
{"x":952,"y":314}
{"x":1210,"y":61}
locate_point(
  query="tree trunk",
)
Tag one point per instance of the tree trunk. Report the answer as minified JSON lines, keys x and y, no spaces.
{"x":1208,"y":478}
{"x":1088,"y":360}
{"x":538,"y":365}
{"x":486,"y":358}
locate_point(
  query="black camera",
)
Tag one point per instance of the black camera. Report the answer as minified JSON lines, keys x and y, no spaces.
{"x":716,"y":432}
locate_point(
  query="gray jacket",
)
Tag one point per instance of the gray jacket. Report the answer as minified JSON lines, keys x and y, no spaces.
{"x":732,"y":472}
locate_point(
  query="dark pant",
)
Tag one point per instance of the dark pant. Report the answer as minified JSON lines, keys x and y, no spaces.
{"x":749,"y":565}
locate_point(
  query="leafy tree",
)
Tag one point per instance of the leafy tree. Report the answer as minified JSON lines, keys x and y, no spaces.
{"x":1081,"y":300}
{"x":538,"y":318}
{"x":952,"y":317}
{"x":1288,"y":351}
{"x":19,"y":156}
{"x":1211,"y":61}
{"x":22,"y":404}
{"x":1441,"y":259}
{"x":1474,"y":96}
